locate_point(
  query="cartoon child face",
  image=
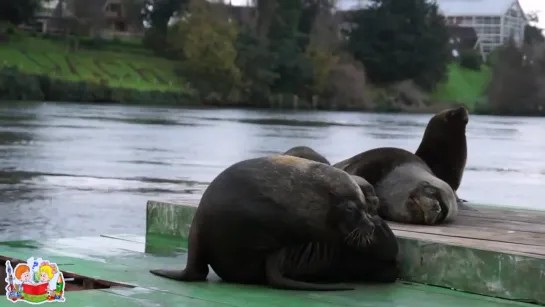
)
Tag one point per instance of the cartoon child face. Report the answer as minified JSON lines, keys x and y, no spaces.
{"x":25,"y":277}
{"x":44,"y":277}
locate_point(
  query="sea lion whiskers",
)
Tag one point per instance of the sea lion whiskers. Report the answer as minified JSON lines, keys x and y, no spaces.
{"x":359,"y":238}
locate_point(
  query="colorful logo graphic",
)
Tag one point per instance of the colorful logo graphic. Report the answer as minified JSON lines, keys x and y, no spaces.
{"x":35,"y":282}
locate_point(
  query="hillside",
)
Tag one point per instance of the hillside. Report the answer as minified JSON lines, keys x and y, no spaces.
{"x":136,"y":68}
{"x":125,"y":69}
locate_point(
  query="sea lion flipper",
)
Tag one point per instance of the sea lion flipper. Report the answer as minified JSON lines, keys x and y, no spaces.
{"x":463,"y":206}
{"x":276,"y":279}
{"x":181,"y":275}
{"x":368,"y":191}
{"x":197,"y":267}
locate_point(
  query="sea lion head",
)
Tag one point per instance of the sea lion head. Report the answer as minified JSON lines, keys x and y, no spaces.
{"x":355,"y":224}
{"x":306,"y":152}
{"x":428,"y":204}
{"x":450,"y":119}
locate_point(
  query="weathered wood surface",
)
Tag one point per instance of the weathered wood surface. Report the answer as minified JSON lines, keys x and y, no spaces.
{"x":492,"y":251}
{"x":506,"y":230}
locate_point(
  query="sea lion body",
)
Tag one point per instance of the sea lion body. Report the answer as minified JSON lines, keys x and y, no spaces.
{"x":306,"y":153}
{"x":284,"y":221}
{"x":444,"y":146}
{"x":407,"y":189}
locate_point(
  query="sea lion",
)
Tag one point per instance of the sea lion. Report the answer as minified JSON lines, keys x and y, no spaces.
{"x":407,"y":189}
{"x":288,"y":222}
{"x":306,"y":153}
{"x":444,"y":147}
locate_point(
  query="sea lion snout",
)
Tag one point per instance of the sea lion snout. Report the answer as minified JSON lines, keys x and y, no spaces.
{"x":362,"y":230}
{"x":460,"y":114}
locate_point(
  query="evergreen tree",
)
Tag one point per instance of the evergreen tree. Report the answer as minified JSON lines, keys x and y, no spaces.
{"x":398,"y":40}
{"x":18,"y":11}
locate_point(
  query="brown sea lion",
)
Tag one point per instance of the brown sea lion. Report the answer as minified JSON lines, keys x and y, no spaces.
{"x":444,"y":147}
{"x":290,"y":223}
{"x":306,"y":153}
{"x":407,"y":189}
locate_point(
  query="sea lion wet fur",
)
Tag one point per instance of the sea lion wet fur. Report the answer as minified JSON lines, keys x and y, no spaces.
{"x":290,"y":223}
{"x":306,"y":152}
{"x":444,"y":147}
{"x":407,"y":189}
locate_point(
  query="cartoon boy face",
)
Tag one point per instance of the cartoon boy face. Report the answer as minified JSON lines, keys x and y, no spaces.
{"x":44,"y":277}
{"x":25,"y":277}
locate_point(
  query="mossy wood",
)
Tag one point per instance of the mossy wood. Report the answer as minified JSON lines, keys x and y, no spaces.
{"x":126,"y":261}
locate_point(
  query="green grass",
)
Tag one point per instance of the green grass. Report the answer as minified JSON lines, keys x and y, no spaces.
{"x":463,"y":85}
{"x":118,"y":69}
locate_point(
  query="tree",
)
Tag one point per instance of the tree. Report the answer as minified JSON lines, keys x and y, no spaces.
{"x":400,"y":40}
{"x":516,"y":86}
{"x":256,"y":63}
{"x":205,"y":42}
{"x":18,"y":11}
{"x":533,"y":35}
{"x":157,"y":13}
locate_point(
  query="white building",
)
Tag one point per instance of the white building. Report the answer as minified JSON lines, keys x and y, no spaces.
{"x":493,"y":20}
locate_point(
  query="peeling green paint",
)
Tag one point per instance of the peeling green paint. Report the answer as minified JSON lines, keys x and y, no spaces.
{"x":121,"y":259}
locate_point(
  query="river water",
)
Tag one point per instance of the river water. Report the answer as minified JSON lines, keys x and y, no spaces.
{"x":77,"y":169}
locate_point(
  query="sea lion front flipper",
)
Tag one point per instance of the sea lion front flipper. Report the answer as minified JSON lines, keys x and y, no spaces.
{"x":368,"y":191}
{"x":276,"y":279}
{"x":181,"y":275}
{"x":463,"y":206}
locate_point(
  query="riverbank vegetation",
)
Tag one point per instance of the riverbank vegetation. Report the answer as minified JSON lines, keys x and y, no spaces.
{"x":391,"y":56}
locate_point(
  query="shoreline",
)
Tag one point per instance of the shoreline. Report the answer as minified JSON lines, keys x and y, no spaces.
{"x":199,"y":106}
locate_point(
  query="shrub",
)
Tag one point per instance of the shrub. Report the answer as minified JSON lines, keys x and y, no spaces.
{"x":470,"y":59}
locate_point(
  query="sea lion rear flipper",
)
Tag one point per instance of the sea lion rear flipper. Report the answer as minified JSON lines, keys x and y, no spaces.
{"x":197,"y":267}
{"x":276,"y":279}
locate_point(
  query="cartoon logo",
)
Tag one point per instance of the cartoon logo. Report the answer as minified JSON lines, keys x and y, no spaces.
{"x":35,"y":282}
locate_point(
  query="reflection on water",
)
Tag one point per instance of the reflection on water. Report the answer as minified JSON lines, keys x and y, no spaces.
{"x":75,"y":169}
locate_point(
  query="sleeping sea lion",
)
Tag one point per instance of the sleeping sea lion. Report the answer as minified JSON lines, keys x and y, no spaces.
{"x":407,"y":189}
{"x":306,"y":153}
{"x":290,"y":223}
{"x":444,"y":147}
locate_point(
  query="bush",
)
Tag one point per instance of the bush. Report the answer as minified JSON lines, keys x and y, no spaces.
{"x":16,"y":85}
{"x":470,"y":59}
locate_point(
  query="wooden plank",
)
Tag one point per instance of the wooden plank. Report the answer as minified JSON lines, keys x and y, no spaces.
{"x":501,"y":247}
{"x":466,"y":221}
{"x":506,"y":214}
{"x":479,"y":233}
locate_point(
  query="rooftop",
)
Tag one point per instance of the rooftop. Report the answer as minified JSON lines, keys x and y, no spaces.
{"x":451,"y":7}
{"x":474,"y":7}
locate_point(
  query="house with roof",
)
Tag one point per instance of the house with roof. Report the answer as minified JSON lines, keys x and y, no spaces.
{"x":104,"y":16}
{"x":462,"y":39}
{"x":495,"y":21}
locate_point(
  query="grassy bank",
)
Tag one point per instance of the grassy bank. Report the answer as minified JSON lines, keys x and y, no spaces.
{"x":132,"y":74}
{"x":463,"y":86}
{"x":130,"y":69}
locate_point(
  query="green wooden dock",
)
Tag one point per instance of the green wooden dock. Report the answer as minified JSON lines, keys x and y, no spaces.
{"x":494,"y":257}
